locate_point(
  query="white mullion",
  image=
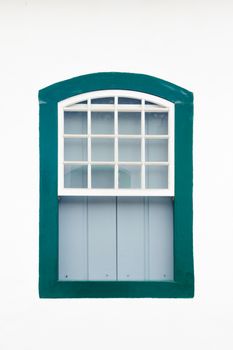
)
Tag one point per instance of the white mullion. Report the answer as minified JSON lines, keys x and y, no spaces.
{"x":61,"y":146}
{"x":84,"y":162}
{"x":143,"y":145}
{"x":73,"y":136}
{"x":157,"y":137}
{"x":122,"y":108}
{"x":106,"y":136}
{"x":169,"y":151}
{"x":89,"y":143}
{"x":171,"y":165}
{"x":109,"y":136}
{"x":113,"y":193}
{"x":128,"y":136}
{"x":116,"y":142}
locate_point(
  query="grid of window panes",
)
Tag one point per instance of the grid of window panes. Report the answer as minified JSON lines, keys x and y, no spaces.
{"x":116,"y":143}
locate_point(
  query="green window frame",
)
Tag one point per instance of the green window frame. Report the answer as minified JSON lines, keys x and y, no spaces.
{"x":183,"y":284}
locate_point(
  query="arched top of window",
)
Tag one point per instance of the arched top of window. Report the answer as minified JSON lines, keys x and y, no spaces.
{"x":113,"y":81}
{"x":125,"y":99}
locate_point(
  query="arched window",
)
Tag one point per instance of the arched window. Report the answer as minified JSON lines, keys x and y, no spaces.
{"x":116,"y":143}
{"x":116,"y":188}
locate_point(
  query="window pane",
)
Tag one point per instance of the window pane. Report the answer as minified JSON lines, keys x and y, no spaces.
{"x":156,"y":123}
{"x":129,"y":150}
{"x":75,"y":176}
{"x":102,"y":176}
{"x":75,"y":149}
{"x":102,"y":122}
{"x":75,"y":123}
{"x":157,"y":176}
{"x":151,"y":103}
{"x":104,"y":100}
{"x":102,"y":149}
{"x":82,"y":103}
{"x":128,"y":101}
{"x":129,"y":176}
{"x":156,"y":150}
{"x":129,"y":123}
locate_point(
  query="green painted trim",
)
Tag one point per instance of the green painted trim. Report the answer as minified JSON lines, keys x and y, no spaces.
{"x":49,"y":286}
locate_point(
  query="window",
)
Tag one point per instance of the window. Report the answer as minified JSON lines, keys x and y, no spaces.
{"x":117,"y":144}
{"x":116,"y":188}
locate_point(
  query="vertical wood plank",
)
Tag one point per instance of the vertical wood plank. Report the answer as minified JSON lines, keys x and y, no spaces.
{"x":72,"y":239}
{"x":161,"y":239}
{"x":102,"y":238}
{"x":130,"y":231}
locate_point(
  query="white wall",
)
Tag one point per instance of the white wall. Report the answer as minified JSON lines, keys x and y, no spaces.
{"x":186,"y":42}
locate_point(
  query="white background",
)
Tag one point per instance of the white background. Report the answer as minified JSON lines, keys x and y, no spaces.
{"x":185,"y":42}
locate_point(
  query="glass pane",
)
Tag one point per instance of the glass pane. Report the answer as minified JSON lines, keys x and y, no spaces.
{"x":129,"y":150}
{"x":82,"y":103}
{"x":128,"y":101}
{"x":75,"y":149}
{"x":129,"y":176}
{"x":156,"y":123}
{"x":75,"y":122}
{"x":157,"y":176}
{"x":102,"y":122}
{"x":129,"y":123}
{"x":102,"y":149}
{"x":152,"y":103}
{"x":102,"y":176}
{"x":103,"y":100}
{"x":75,"y":176}
{"x":156,"y":150}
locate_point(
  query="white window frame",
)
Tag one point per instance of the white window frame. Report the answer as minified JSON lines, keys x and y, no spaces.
{"x":165,"y":106}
